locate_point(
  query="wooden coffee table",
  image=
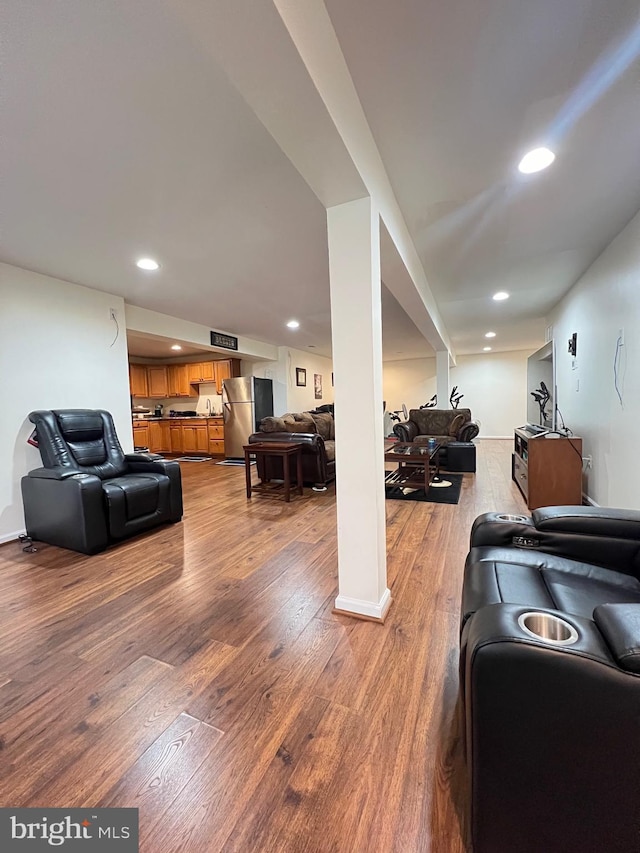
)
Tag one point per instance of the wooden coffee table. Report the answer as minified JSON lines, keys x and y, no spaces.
{"x":417,"y":465}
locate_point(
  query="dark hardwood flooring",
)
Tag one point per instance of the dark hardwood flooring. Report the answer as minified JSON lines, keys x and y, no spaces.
{"x":199,"y":674}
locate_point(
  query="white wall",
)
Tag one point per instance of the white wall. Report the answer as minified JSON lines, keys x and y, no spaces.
{"x":412,"y":382}
{"x":604,"y":301}
{"x":494,"y":387}
{"x":301,"y":398}
{"x":56,"y":352}
{"x":287,"y":396}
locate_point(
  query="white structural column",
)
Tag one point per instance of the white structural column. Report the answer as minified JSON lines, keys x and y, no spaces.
{"x":442,"y":379}
{"x":356,"y":322}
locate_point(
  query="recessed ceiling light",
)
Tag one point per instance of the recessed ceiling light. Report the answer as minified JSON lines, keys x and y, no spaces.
{"x":147,"y":264}
{"x":490,"y":335}
{"x":500,"y":295}
{"x":176,"y":346}
{"x":536,"y":160}
{"x":293,"y":324}
{"x":486,"y":349}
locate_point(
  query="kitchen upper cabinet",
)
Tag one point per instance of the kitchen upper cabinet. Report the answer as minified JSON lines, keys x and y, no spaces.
{"x":163,"y":381}
{"x":201,"y":371}
{"x":227,"y":368}
{"x":138,"y":380}
{"x":157,"y":381}
{"x":178,"y":384}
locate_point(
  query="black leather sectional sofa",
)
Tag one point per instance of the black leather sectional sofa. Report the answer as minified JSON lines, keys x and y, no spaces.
{"x":550,"y":681}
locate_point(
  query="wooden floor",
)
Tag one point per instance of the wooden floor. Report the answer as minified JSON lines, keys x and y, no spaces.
{"x":198,"y":674}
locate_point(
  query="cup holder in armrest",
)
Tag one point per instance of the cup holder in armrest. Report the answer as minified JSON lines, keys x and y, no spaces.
{"x":506,"y":516}
{"x":549,"y":628}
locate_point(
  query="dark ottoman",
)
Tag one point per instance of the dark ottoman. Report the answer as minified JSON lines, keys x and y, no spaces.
{"x":461,"y":456}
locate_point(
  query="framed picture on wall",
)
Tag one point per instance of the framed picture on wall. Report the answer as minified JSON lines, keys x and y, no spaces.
{"x":317,"y":386}
{"x":301,"y":376}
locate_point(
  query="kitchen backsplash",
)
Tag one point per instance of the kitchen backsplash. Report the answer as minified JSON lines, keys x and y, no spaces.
{"x":187,"y":404}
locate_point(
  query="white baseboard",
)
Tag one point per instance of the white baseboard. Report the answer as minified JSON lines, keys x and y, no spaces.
{"x":11,"y":537}
{"x":365,"y":608}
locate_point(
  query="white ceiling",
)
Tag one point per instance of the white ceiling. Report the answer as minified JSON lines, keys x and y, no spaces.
{"x":455,"y":93}
{"x":128,"y":138}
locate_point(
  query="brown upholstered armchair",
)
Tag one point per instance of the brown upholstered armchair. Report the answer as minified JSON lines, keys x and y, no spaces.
{"x":447,"y":426}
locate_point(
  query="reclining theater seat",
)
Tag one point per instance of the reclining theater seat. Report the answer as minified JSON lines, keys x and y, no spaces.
{"x":567,"y":558}
{"x":89,"y":493}
{"x":550,"y":680}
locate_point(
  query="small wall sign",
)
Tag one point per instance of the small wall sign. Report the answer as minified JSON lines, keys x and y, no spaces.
{"x":218,"y":339}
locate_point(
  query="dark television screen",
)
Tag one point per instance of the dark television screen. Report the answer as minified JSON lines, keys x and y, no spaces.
{"x":541,"y":389}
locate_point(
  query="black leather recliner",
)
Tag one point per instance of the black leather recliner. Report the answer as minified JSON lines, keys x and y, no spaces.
{"x":550,"y":681}
{"x":89,"y":494}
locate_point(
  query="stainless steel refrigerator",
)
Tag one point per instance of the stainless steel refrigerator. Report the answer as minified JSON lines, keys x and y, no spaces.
{"x":245,"y":401}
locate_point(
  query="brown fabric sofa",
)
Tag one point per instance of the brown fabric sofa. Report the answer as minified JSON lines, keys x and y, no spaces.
{"x":445,"y":425}
{"x":315,"y":431}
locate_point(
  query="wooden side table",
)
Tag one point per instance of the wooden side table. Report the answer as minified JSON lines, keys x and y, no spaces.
{"x":286,"y":451}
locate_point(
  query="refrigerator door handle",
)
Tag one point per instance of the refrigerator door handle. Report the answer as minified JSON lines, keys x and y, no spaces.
{"x":226,"y":408}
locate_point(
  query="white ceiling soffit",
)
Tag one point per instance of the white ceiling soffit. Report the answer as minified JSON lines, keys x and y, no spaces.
{"x":313,"y":35}
{"x":401,"y":339}
{"x":455,"y":93}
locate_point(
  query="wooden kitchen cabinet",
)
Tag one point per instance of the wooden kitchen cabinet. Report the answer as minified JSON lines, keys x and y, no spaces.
{"x":175,"y":437}
{"x":178,"y":384}
{"x":226,"y":369}
{"x":215,"y":432}
{"x":194,"y":437}
{"x":140,"y":433}
{"x":159,"y":437}
{"x":138,"y":380}
{"x":201,"y":371}
{"x":157,"y":381}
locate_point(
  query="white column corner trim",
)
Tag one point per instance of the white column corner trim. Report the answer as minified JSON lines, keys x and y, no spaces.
{"x":365,"y":608}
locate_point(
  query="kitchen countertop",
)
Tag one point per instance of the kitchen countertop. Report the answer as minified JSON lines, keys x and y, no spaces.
{"x":197,"y":418}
